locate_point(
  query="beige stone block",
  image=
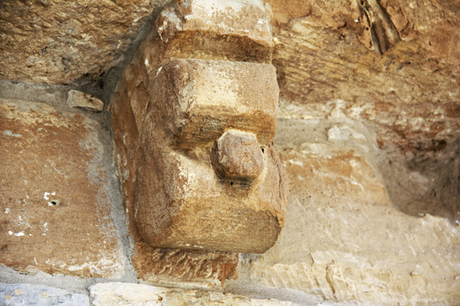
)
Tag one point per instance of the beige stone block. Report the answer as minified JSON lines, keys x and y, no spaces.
{"x":181,"y":200}
{"x":54,"y":198}
{"x":343,"y":240}
{"x":233,"y":30}
{"x":143,"y":295}
{"x":83,"y":100}
{"x":200,"y":99}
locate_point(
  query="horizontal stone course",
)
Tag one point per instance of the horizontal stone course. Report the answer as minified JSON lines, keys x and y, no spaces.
{"x":124,"y":294}
{"x":27,"y":294}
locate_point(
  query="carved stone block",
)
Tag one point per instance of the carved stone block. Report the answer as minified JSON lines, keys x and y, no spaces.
{"x":208,"y":177}
{"x":199,"y":100}
{"x":184,"y":268}
{"x":169,"y":114}
{"x":227,"y":29}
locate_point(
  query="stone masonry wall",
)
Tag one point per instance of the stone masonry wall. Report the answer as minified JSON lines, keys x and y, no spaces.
{"x":367,"y":130}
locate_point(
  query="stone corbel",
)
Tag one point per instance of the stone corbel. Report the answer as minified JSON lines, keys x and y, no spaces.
{"x":207,"y":176}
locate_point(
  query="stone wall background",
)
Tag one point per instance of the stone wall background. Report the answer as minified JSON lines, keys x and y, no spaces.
{"x":367,"y":130}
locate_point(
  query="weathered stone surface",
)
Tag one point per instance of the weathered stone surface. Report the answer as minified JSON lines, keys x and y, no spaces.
{"x":26,"y":294}
{"x":132,"y":101}
{"x":54,"y":200}
{"x":344,"y":241}
{"x":207,"y":29}
{"x":148,"y":62}
{"x":345,"y":68}
{"x":380,"y":25}
{"x":60,"y":41}
{"x":193,"y":208}
{"x":83,"y":100}
{"x":186,"y":269}
{"x":200,"y":99}
{"x":382,"y":90}
{"x":239,"y":156}
{"x":409,"y":95}
{"x":143,"y":295}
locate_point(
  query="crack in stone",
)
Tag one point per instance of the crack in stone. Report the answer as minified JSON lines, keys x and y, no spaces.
{"x":383,"y":31}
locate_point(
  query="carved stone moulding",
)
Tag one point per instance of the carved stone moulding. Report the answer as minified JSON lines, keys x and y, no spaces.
{"x":208,"y":176}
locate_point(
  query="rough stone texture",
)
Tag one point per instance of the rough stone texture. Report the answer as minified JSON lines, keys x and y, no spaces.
{"x":380,"y":89}
{"x":201,"y":99}
{"x":142,"y":295}
{"x":56,"y":41}
{"x":137,"y":80}
{"x":186,"y":269}
{"x":85,"y":101}
{"x":193,"y":208}
{"x":381,"y":24}
{"x":343,"y":240}
{"x":369,"y":96}
{"x":193,"y":102}
{"x":26,"y":294}
{"x":239,"y":156}
{"x":409,"y":94}
{"x":209,"y":29}
{"x":55,"y":206}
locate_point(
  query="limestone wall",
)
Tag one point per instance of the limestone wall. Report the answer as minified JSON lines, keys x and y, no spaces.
{"x":367,"y":129}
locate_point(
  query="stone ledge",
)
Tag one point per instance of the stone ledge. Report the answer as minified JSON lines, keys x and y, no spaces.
{"x":26,"y":294}
{"x":227,"y":30}
{"x":106,"y":294}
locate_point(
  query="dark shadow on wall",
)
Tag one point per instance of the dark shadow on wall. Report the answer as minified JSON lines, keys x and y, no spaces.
{"x":425,"y":183}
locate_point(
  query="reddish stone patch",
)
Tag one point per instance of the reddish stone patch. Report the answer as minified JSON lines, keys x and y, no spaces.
{"x":54,"y":201}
